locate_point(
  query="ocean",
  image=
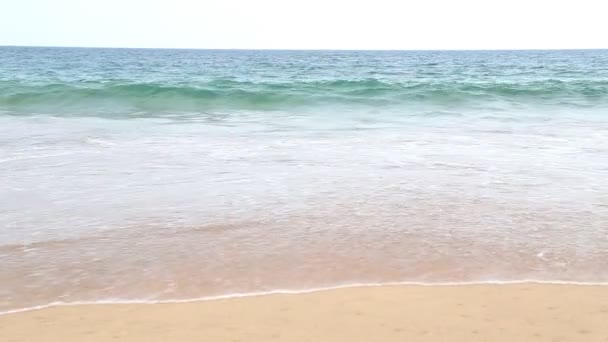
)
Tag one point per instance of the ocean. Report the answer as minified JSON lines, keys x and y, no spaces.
{"x":157,"y":175}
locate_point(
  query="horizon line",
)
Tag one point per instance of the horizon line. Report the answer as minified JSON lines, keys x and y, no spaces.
{"x":296,"y":49}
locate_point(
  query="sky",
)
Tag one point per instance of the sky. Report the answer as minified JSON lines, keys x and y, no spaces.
{"x":307,"y":24}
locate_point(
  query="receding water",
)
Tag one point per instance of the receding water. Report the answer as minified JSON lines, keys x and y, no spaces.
{"x":176,"y":174}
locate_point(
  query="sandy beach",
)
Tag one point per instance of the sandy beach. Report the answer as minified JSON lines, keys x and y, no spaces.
{"x":523,"y":312}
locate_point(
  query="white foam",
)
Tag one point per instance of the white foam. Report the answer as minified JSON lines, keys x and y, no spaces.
{"x":300,"y":291}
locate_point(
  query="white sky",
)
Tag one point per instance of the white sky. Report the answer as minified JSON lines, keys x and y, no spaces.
{"x":307,"y":24}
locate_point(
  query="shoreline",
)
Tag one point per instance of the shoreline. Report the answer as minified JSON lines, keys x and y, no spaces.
{"x":532,"y":311}
{"x":295,"y":292}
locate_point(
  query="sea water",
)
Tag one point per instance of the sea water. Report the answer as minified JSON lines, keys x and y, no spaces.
{"x":147,"y":175}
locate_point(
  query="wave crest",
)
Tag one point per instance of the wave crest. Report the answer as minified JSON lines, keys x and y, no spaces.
{"x":226,"y":94}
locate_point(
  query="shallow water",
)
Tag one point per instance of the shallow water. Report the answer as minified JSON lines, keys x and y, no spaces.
{"x":176,"y":174}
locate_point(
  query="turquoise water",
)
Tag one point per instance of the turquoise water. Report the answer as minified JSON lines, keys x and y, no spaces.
{"x":200,"y":84}
{"x":173,"y":174}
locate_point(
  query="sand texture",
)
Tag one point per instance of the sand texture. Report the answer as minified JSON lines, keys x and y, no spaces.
{"x":527,"y":312}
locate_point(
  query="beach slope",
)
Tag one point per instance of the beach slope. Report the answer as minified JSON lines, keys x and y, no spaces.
{"x":523,"y":312}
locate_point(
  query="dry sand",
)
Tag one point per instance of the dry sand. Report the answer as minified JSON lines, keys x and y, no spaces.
{"x":528,"y":312}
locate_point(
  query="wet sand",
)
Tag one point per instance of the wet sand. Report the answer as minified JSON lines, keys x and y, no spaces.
{"x":523,"y":312}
